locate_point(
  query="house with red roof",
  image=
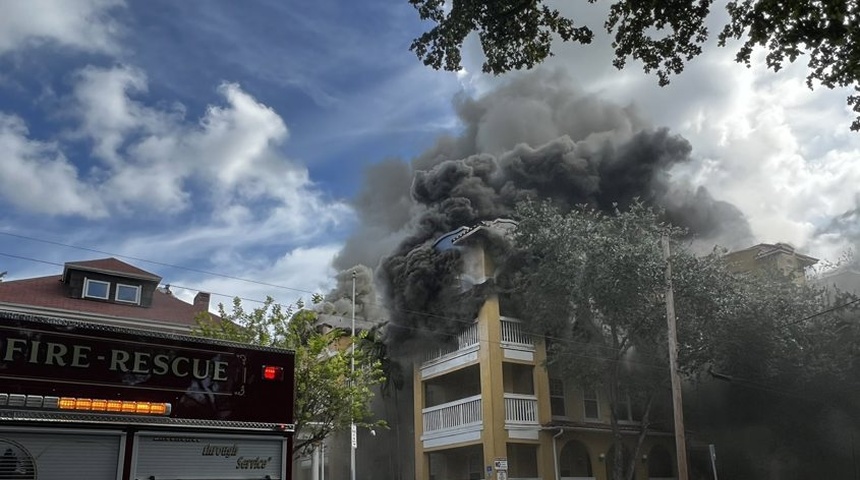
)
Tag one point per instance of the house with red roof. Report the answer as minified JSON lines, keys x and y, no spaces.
{"x":107,"y":291}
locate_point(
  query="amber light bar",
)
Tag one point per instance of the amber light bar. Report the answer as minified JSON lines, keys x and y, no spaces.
{"x":93,"y":405}
{"x":114,"y":406}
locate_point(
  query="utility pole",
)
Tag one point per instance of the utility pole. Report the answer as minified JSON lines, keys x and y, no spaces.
{"x":353,"y":434}
{"x":677,"y":401}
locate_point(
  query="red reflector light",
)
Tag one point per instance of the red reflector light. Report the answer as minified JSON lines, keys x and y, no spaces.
{"x":273,"y":373}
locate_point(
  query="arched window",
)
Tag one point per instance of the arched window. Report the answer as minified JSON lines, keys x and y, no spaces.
{"x":660,"y":463}
{"x":610,"y":459}
{"x":573,"y":461}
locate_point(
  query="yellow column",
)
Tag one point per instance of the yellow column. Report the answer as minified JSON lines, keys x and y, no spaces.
{"x":546,"y":462}
{"x":492,"y":388}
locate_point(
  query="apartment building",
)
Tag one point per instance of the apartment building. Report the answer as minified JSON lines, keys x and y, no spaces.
{"x":486,"y":407}
{"x":766,"y":257}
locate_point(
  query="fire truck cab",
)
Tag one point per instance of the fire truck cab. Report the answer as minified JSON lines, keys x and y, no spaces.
{"x":96,"y":402}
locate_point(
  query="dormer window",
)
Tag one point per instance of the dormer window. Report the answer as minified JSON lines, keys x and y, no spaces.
{"x":128,"y":293}
{"x":96,"y":289}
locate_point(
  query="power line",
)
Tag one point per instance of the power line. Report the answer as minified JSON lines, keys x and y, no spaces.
{"x":390,"y":309}
{"x":748,"y":383}
{"x":19,"y":257}
{"x":823,"y":312}
{"x":405,"y":327}
{"x":154,"y":262}
{"x":424,"y":330}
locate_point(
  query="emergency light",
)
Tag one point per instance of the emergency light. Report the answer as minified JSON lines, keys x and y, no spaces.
{"x":93,"y":405}
{"x":271,"y":372}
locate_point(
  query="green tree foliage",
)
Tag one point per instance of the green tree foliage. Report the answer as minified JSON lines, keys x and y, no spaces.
{"x":329,"y":397}
{"x":594,"y":285}
{"x":663,"y":35}
{"x":783,"y":387}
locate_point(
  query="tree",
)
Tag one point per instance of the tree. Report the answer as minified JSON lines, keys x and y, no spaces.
{"x":662,"y":35}
{"x":329,"y":396}
{"x":783,"y":386}
{"x":593,"y":284}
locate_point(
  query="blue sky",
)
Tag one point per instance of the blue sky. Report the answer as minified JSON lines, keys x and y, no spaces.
{"x":105,"y":103}
{"x":230,"y":137}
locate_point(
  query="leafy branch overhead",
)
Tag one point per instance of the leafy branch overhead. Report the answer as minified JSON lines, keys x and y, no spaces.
{"x":663,"y":35}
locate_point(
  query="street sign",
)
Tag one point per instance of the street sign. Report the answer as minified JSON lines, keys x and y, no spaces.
{"x":502,"y":475}
{"x":501,"y":464}
{"x":354,"y":437}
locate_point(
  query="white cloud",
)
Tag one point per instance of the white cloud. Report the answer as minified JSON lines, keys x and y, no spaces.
{"x":37,"y":177}
{"x":248,"y":199}
{"x":781,"y":153}
{"x":108,"y":113}
{"x":151,"y":157}
{"x":80,"y":24}
{"x":287,"y":278}
{"x":762,"y":140}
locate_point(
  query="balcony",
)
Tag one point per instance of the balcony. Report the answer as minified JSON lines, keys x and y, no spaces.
{"x":521,"y":416}
{"x":520,"y":409}
{"x":452,"y":422}
{"x":447,"y":358}
{"x":517,"y":344}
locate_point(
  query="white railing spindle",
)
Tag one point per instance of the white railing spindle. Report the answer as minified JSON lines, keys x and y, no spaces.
{"x":512,"y":332}
{"x":459,"y":413}
{"x":520,"y":408}
{"x":465,"y":339}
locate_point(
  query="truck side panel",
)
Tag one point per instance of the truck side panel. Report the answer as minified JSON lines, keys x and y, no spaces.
{"x":28,"y":454}
{"x":211,"y":456}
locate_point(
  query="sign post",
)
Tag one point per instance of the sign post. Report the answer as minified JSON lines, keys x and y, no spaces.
{"x":501,"y":465}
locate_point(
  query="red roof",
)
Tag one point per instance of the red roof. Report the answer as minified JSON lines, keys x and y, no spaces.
{"x":51,"y":293}
{"x":111,"y":266}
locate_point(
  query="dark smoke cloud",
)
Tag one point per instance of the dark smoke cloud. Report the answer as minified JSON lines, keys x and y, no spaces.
{"x":537,"y":137}
{"x":339,"y":301}
{"x":385,"y":208}
{"x":846,"y":227}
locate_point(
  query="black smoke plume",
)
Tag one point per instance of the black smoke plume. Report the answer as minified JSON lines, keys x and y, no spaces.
{"x":536,"y":137}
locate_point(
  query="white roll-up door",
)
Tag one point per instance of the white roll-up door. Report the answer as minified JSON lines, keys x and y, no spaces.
{"x":172,"y":456}
{"x":48,"y":454}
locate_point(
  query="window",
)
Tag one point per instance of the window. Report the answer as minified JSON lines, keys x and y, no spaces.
{"x":590,"y":405}
{"x":522,"y":461}
{"x":627,"y":410}
{"x":660,"y":463}
{"x":622,"y":412}
{"x":127,"y":293}
{"x":574,"y":460}
{"x":475,"y":465}
{"x":518,"y":378}
{"x":96,"y":289}
{"x":556,"y":397}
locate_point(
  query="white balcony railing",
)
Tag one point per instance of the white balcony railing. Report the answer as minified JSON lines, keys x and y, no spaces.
{"x":512,"y":333}
{"x":460,"y":413}
{"x":465,"y":339}
{"x":521,"y":409}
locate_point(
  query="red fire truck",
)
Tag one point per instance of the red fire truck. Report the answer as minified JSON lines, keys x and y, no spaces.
{"x":83,"y":401}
